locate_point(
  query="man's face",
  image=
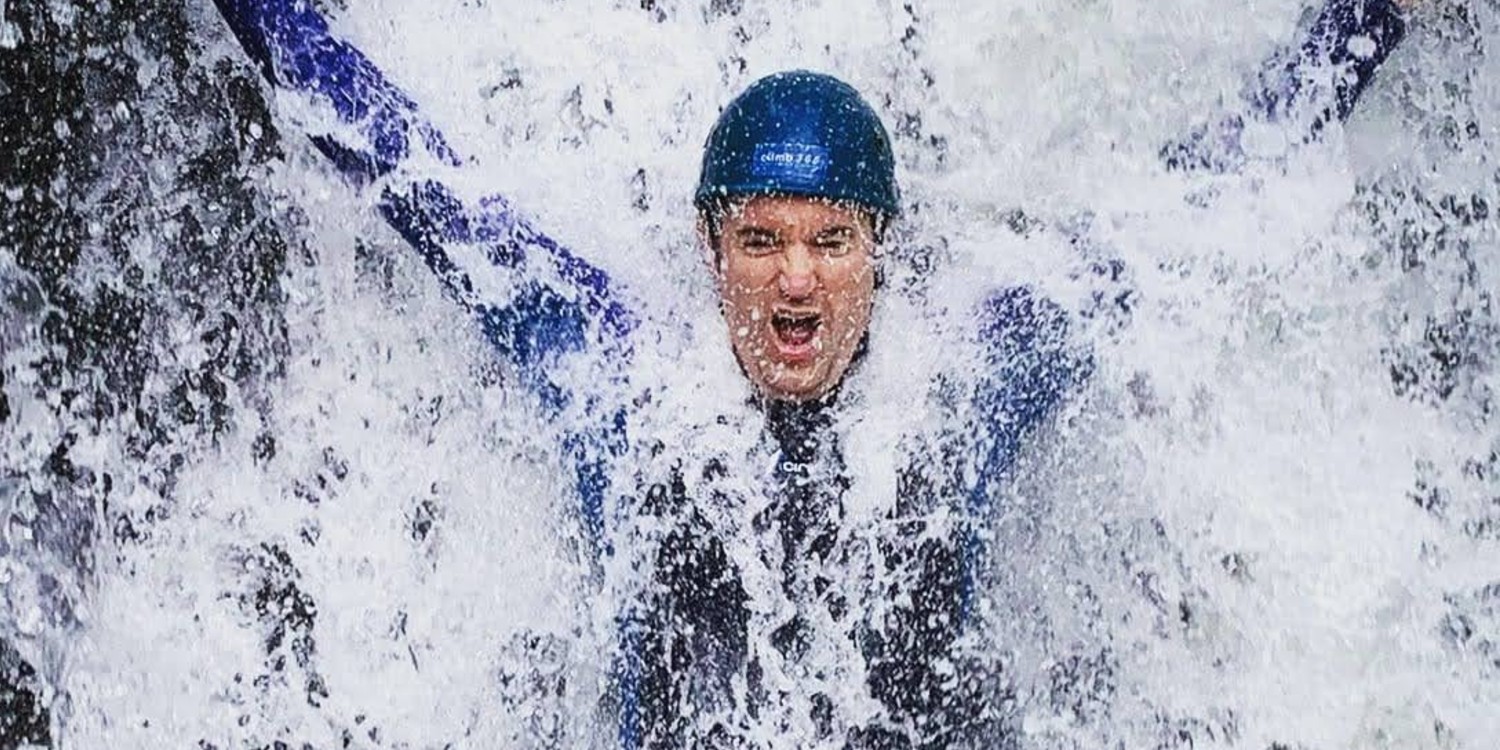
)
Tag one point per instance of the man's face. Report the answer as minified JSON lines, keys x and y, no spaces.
{"x":797,"y":280}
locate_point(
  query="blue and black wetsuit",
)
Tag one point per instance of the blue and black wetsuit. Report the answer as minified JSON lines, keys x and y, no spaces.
{"x":689,"y":633}
{"x":695,"y":621}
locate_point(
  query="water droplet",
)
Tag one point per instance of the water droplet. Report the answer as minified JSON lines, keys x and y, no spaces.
{"x":10,"y":36}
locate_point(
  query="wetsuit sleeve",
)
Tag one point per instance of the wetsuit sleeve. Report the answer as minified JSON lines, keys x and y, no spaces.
{"x":1025,"y":337}
{"x":1030,"y":366}
{"x":533,"y":298}
{"x":1319,"y":82}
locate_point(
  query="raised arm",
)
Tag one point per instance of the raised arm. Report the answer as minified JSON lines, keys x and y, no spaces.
{"x":1030,"y":366}
{"x":1319,"y":82}
{"x":544,"y":301}
{"x":1031,"y":371}
{"x":534,"y":300}
{"x":1335,"y":64}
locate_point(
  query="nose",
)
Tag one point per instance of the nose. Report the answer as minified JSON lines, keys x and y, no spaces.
{"x":798,"y":278}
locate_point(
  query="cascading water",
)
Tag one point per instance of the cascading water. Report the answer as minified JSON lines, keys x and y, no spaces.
{"x":263,"y":485}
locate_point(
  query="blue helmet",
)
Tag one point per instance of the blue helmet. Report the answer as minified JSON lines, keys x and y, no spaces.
{"x":800,"y":133}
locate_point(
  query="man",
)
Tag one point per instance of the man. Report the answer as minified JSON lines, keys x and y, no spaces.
{"x":778,"y":597}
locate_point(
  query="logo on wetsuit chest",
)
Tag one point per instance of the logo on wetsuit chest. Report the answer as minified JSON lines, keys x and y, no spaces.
{"x":797,"y":162}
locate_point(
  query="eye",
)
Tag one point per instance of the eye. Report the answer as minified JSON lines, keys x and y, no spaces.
{"x":758,"y":244}
{"x":833,"y":246}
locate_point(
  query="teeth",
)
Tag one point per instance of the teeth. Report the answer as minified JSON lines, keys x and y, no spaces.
{"x":784,"y":318}
{"x":796,"y":328}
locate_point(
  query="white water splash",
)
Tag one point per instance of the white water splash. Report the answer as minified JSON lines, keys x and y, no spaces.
{"x":10,"y":36}
{"x":1222,"y":523}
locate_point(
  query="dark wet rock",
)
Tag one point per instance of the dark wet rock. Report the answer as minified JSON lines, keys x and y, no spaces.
{"x":130,"y":207}
{"x":23,"y":717}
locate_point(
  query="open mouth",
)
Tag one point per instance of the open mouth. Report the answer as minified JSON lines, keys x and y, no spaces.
{"x":795,"y":331}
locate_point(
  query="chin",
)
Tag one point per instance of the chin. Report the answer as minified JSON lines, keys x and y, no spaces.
{"x":777,"y":394}
{"x":796,"y":386}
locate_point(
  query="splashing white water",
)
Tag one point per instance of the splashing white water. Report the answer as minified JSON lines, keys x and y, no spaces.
{"x":10,"y":36}
{"x":1216,"y":546}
